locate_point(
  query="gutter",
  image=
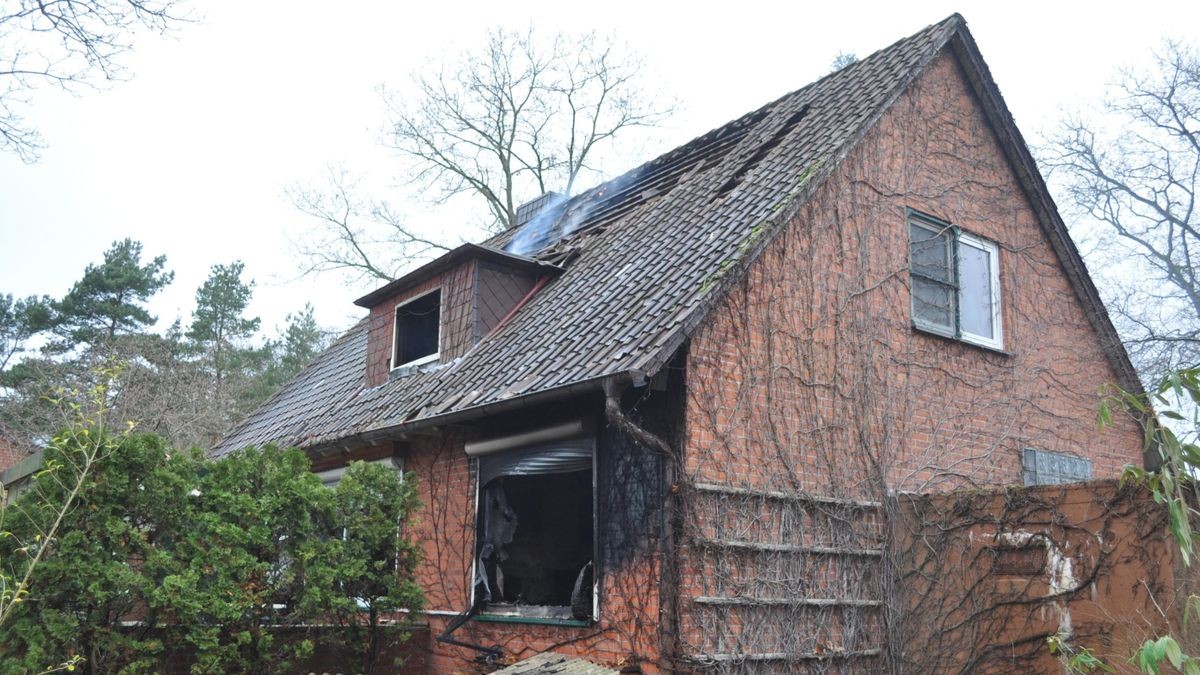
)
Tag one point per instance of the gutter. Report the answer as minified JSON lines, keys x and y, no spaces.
{"x":22,"y":469}
{"x":595,"y":385}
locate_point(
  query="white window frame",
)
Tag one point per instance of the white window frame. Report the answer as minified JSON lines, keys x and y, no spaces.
{"x":993,"y":251}
{"x":331,"y":477}
{"x":396,"y":332}
{"x":959,"y":238}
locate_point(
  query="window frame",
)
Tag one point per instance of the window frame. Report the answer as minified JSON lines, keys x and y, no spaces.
{"x":958,"y":238}
{"x":428,"y":358}
{"x":495,"y":614}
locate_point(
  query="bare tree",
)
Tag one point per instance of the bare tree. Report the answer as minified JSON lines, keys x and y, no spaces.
{"x":68,"y":44}
{"x":521,"y":116}
{"x":498,"y":126}
{"x":364,"y":238}
{"x":1136,"y":172}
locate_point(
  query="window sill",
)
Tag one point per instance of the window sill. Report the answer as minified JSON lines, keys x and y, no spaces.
{"x":949,"y":338}
{"x":413,"y":366}
{"x":540,"y":620}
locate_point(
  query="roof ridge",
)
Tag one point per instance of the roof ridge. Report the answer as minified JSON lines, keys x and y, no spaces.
{"x":950,"y":24}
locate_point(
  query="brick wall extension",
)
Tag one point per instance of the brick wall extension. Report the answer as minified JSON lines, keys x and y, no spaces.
{"x":1097,"y":567}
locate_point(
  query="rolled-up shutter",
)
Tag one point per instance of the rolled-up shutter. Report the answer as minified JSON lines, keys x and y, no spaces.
{"x":563,"y":456}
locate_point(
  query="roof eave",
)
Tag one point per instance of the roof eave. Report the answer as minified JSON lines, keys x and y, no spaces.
{"x":451,"y":259}
{"x":1025,"y":168}
{"x":477,"y":412}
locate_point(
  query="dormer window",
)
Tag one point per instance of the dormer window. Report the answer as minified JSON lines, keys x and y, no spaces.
{"x":417,"y":334}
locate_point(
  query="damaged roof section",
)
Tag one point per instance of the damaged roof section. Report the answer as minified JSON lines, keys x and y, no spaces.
{"x":645,"y":256}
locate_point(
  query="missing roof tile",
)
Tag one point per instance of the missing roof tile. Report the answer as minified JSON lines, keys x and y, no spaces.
{"x":762,"y":152}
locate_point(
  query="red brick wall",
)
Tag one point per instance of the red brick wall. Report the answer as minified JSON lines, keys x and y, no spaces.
{"x":628,"y":629}
{"x":810,"y":374}
{"x":10,"y":454}
{"x":1111,"y":578}
{"x":810,"y":378}
{"x":456,"y":285}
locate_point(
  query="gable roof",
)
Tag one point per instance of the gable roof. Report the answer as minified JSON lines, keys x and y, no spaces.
{"x":651,"y":252}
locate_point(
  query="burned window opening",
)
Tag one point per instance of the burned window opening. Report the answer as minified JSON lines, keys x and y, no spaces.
{"x":536,"y":532}
{"x":418,"y":330}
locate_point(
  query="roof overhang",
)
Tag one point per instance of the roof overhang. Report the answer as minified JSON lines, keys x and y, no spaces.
{"x":390,"y":431}
{"x":453,"y":259}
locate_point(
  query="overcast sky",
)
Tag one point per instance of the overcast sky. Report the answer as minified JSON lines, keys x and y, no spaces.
{"x":192,"y":155}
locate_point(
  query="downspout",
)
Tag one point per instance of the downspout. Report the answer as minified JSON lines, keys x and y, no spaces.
{"x":669,"y":581}
{"x":618,"y":418}
{"x":488,"y":654}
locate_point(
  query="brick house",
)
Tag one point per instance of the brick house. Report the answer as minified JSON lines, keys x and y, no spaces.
{"x":658,"y":424}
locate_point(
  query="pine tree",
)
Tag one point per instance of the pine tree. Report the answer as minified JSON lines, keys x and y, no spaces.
{"x":110,"y":298}
{"x":302,"y":340}
{"x":219,"y":332}
{"x":20,"y":319}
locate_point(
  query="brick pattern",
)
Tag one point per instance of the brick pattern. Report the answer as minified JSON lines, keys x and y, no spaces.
{"x":1105,"y":553}
{"x":630,"y":517}
{"x":810,"y":376}
{"x":811,"y":380}
{"x":11,"y":450}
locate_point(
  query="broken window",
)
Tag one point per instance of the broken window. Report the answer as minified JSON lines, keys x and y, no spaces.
{"x":418,"y":330}
{"x":535,"y":531}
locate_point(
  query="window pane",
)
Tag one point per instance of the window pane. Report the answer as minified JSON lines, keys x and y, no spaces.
{"x":417,"y":326}
{"x":933,"y":305}
{"x":975,"y":284}
{"x":929,"y":252}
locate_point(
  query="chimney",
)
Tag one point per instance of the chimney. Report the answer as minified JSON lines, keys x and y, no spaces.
{"x":528,"y":210}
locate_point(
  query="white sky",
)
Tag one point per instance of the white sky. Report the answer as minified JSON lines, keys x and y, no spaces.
{"x":192,"y":156}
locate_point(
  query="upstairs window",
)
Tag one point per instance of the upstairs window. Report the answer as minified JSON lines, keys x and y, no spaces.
{"x":955,"y":282}
{"x":418,"y":330}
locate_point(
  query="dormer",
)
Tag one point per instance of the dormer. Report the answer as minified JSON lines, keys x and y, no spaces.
{"x":437,"y":312}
